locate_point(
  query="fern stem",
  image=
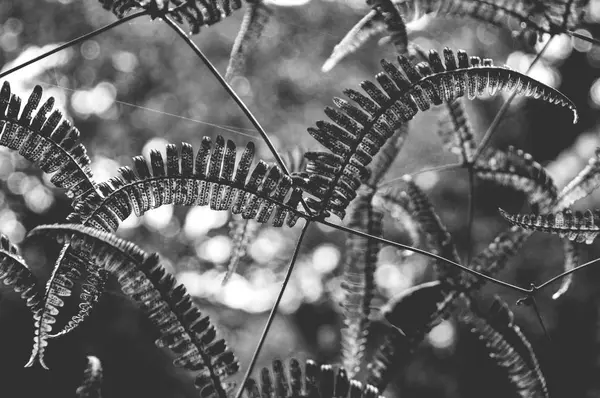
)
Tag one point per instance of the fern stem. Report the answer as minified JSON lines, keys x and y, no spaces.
{"x":592,"y":40}
{"x":273,"y":311}
{"x":502,"y":112}
{"x":74,"y":42}
{"x":540,"y":319}
{"x":428,"y":254}
{"x":470,"y":214}
{"x":444,"y":167}
{"x":569,"y":272}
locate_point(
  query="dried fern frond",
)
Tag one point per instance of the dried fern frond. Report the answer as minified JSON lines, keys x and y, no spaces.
{"x":263,"y":193}
{"x":358,"y":281}
{"x":45,"y":137}
{"x":197,"y":13}
{"x":508,"y":347}
{"x":517,"y":169}
{"x":583,"y":184}
{"x":91,"y":386}
{"x":313,"y":382}
{"x":255,"y":20}
{"x":572,"y":254}
{"x":15,"y":273}
{"x":578,"y":226}
{"x":356,"y":135}
{"x":170,"y":308}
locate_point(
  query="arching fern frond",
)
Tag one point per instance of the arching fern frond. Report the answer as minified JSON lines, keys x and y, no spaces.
{"x":583,"y":184}
{"x":358,"y":134}
{"x":517,"y":169}
{"x":572,"y":254}
{"x":181,"y":325}
{"x":197,"y":13}
{"x":508,"y":347}
{"x":455,"y":131}
{"x":91,"y":386}
{"x":313,"y":382}
{"x":45,"y":137}
{"x":263,"y":193}
{"x":358,"y":281}
{"x":253,"y":24}
{"x":15,"y":273}
{"x":578,"y":226}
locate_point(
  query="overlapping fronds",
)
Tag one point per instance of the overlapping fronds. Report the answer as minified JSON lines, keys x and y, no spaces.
{"x":15,"y":273}
{"x":517,"y":169}
{"x":576,"y":226}
{"x":197,"y":13}
{"x":45,"y":137}
{"x":91,"y":385}
{"x":583,"y":184}
{"x":508,"y":348}
{"x":182,"y":327}
{"x":572,"y":254}
{"x":263,"y":193}
{"x":255,"y":20}
{"x":358,"y":281}
{"x":313,"y":381}
{"x":356,"y":135}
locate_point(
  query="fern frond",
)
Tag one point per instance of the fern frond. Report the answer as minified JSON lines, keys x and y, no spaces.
{"x":358,"y":281}
{"x":197,"y":13}
{"x":387,"y":155}
{"x":356,"y":135}
{"x":215,"y":180}
{"x":15,"y":273}
{"x":91,"y":386}
{"x":572,"y":254}
{"x":370,"y":25}
{"x":242,"y":234}
{"x":313,"y":382}
{"x":455,"y":131}
{"x":44,"y":137}
{"x":517,"y":169}
{"x":395,"y":25}
{"x":508,"y":347}
{"x":396,"y":203}
{"x":565,"y":14}
{"x":255,"y":20}
{"x":578,"y":227}
{"x":167,"y":305}
{"x":583,"y":184}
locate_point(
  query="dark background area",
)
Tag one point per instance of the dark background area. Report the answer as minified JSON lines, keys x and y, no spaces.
{"x":138,"y":86}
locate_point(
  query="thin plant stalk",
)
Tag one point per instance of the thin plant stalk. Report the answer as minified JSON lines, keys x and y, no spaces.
{"x":470,"y":214}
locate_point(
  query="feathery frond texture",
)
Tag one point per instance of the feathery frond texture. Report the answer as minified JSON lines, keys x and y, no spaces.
{"x":91,"y":386}
{"x":358,"y":281}
{"x":572,"y":253}
{"x":167,"y":305}
{"x":517,"y":169}
{"x":197,"y":13}
{"x":455,"y":131}
{"x":15,"y":273}
{"x":583,"y":184}
{"x":44,"y":137}
{"x":358,"y":134}
{"x":313,"y":382}
{"x":255,"y":20}
{"x":396,"y":203}
{"x":508,"y":347}
{"x":395,"y":26}
{"x":578,"y":227}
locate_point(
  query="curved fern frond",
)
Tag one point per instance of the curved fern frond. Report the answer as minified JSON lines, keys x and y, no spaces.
{"x":358,"y":281}
{"x":261,"y":193}
{"x":313,"y":382}
{"x":572,"y":254}
{"x":508,"y":347}
{"x":455,"y":131}
{"x":517,"y":169}
{"x":356,"y":135}
{"x":91,"y":386}
{"x":255,"y":20}
{"x":167,"y":305}
{"x":44,"y":137}
{"x":397,"y":204}
{"x":197,"y":13}
{"x":583,"y":184}
{"x":15,"y":273}
{"x":578,"y":227}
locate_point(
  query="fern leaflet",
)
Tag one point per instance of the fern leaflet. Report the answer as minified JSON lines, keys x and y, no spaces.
{"x":92,"y":380}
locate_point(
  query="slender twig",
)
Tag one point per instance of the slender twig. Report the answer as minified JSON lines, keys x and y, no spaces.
{"x":428,"y":254}
{"x":470,"y":214}
{"x":592,"y":40}
{"x":502,"y":112}
{"x":562,"y":275}
{"x":444,"y":167}
{"x":273,"y":312}
{"x":539,"y":317}
{"x":74,"y":42}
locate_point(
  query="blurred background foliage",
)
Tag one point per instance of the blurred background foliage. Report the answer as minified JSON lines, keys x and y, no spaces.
{"x":138,"y":87}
